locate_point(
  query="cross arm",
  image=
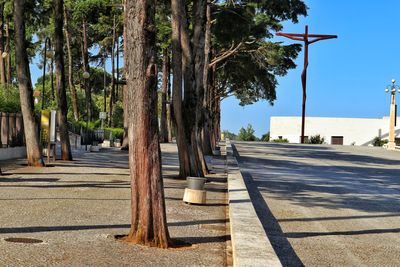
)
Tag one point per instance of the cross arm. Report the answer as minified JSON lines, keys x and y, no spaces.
{"x":293,"y":36}
{"x":322,"y":37}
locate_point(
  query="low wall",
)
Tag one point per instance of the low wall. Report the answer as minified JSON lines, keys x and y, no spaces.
{"x":12,"y":153}
{"x":250,"y":244}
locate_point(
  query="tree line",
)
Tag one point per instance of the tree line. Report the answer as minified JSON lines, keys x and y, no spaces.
{"x":210,"y":49}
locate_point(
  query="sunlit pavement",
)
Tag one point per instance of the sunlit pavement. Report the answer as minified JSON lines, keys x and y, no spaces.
{"x":326,"y":205}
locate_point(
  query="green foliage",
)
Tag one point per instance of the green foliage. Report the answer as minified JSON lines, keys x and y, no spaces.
{"x":316,"y":139}
{"x":246,"y":134}
{"x":9,"y":100}
{"x":229,"y":135}
{"x":379,"y":141}
{"x":245,"y":28}
{"x":115,"y":133}
{"x":284,"y":140}
{"x":118,"y":114}
{"x":265,"y":137}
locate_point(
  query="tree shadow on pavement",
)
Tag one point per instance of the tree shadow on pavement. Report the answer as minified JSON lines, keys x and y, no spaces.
{"x":341,"y":184}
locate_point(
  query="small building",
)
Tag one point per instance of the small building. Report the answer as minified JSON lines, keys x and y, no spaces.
{"x":335,"y":131}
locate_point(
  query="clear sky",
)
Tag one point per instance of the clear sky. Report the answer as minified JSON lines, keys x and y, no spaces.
{"x":346,"y":76}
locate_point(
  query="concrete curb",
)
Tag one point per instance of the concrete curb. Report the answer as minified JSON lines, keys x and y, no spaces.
{"x":250,"y":244}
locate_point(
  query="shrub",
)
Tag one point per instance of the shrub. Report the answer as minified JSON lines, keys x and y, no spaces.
{"x":280,"y":140}
{"x":247,"y":134}
{"x":265,"y":137}
{"x":316,"y":139}
{"x":377,"y":141}
{"x":229,"y":135}
{"x":115,"y":133}
{"x":9,"y":100}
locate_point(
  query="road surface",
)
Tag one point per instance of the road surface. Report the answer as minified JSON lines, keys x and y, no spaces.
{"x":326,"y":205}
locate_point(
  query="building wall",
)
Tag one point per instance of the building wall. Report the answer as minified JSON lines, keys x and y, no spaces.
{"x":355,"y":131}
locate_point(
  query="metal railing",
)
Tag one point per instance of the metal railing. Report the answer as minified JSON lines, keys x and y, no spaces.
{"x":89,"y":136}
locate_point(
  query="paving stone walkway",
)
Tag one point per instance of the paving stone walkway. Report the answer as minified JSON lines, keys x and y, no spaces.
{"x":76,"y":208}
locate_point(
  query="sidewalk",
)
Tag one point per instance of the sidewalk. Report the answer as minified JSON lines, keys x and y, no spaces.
{"x":77,"y":207}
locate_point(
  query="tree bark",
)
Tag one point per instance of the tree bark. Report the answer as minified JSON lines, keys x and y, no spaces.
{"x":205,"y":133}
{"x":148,"y":224}
{"x":169,"y":105}
{"x":191,"y":98}
{"x":85,"y":59}
{"x":183,"y":151}
{"x":52,"y":77}
{"x":8,"y":50}
{"x":125,"y":141}
{"x":66,"y":153}
{"x":165,"y":82}
{"x":112,"y":91}
{"x":199,"y":38}
{"x":25,"y":87}
{"x":2,"y":65}
{"x":71,"y":85}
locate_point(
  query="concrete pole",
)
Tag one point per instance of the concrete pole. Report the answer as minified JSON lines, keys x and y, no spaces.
{"x":392,"y":144}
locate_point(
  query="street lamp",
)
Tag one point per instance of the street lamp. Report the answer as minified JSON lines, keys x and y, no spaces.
{"x":392,"y":88}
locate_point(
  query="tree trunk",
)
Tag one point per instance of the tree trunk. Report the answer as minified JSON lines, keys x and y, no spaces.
{"x":205,"y":133}
{"x":191,"y":98}
{"x":8,"y":50}
{"x":71,"y":85}
{"x":85,"y":58}
{"x":25,"y":87}
{"x":149,"y":224}
{"x":66,"y":153}
{"x":112,"y":91}
{"x":125,"y":141}
{"x":165,"y":82}
{"x":2,"y":65}
{"x":199,"y":38}
{"x":52,"y":77}
{"x":169,"y":111}
{"x":184,"y":164}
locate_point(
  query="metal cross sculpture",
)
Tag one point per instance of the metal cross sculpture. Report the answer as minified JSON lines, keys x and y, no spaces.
{"x":307,"y":39}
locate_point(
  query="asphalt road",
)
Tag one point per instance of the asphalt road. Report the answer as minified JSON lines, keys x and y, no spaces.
{"x":326,"y":205}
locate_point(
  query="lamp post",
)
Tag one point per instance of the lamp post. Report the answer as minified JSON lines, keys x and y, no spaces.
{"x":392,"y":88}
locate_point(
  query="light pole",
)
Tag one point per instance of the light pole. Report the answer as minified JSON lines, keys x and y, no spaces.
{"x":392,"y":88}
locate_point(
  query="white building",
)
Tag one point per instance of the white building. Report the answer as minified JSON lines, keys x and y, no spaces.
{"x":340,"y":131}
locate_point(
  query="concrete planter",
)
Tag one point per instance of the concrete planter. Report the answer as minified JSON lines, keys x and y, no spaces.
{"x":94,"y":148}
{"x":106,"y":143}
{"x":195,"y":183}
{"x":117,"y":143}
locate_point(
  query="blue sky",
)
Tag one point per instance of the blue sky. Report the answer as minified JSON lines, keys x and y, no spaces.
{"x":346,"y":76}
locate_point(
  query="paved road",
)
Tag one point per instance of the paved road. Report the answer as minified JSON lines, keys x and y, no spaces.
{"x":326,"y":205}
